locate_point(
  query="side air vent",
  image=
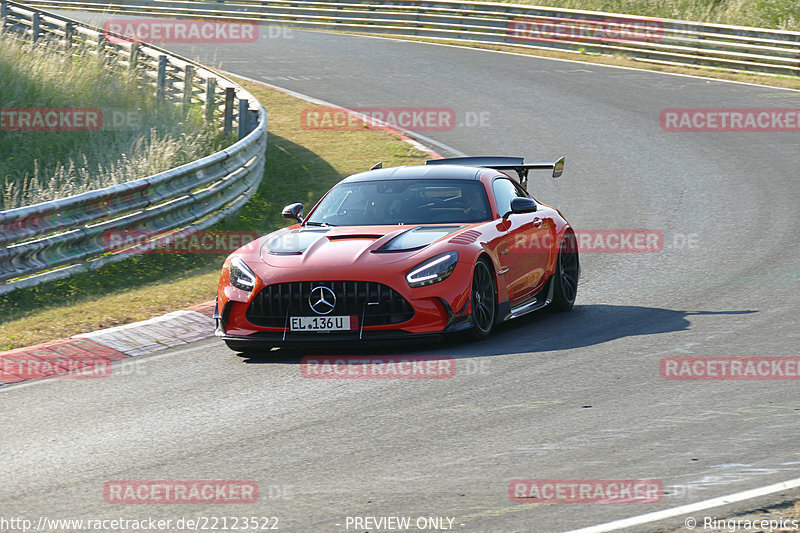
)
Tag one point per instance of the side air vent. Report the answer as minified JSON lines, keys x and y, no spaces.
{"x":468,"y":237}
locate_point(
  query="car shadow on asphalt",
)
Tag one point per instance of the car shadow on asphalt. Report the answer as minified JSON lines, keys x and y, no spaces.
{"x":588,"y":325}
{"x":542,"y":331}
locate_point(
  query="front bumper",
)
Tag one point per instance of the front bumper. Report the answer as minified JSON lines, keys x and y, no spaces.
{"x":433,"y":316}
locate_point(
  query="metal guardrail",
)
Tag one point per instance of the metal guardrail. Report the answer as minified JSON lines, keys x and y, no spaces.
{"x":664,"y":41}
{"x":56,"y":239}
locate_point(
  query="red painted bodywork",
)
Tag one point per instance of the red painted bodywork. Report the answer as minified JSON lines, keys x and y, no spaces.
{"x":504,"y":241}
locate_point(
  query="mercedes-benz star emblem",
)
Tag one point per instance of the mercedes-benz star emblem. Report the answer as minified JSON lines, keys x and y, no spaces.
{"x":322,"y":300}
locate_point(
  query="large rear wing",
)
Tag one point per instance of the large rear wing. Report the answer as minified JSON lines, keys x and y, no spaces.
{"x":503,"y":163}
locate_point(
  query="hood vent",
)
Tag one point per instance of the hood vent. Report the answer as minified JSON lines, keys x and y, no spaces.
{"x":354,"y":236}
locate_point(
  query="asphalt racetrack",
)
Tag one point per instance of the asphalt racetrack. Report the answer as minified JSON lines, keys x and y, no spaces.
{"x":576,"y":396}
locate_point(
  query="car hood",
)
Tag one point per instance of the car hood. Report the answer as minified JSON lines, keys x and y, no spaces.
{"x":337,"y":247}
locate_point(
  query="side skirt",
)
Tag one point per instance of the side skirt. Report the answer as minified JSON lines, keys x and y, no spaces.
{"x":534,"y":303}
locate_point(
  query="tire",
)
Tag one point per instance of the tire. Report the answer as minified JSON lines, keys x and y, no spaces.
{"x":565,"y":278}
{"x":483,"y":298}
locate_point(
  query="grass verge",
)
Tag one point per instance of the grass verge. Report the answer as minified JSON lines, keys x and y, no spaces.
{"x":301,"y":166}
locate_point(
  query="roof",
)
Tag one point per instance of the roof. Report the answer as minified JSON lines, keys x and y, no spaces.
{"x":456,"y":172}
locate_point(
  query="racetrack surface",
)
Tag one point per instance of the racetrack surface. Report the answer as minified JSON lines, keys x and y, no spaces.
{"x":568,"y":396}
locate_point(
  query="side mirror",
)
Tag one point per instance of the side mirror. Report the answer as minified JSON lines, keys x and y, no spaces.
{"x":521,"y":205}
{"x":558,"y":167}
{"x":293,"y":212}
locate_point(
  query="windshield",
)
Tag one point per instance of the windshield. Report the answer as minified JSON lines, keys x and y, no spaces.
{"x":391,"y":202}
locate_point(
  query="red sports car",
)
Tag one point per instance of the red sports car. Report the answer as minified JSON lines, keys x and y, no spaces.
{"x":456,"y":245}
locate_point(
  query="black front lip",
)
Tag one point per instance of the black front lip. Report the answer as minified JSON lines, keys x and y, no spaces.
{"x":277,"y":338}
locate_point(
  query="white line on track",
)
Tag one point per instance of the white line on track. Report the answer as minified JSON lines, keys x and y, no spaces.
{"x":689,"y":508}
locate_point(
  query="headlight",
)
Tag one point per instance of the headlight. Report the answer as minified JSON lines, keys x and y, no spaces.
{"x":241,"y":276}
{"x":433,"y":270}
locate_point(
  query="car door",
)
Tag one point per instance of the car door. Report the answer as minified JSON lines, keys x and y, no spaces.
{"x":523,"y":248}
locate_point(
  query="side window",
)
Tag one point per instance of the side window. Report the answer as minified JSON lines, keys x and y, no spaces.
{"x":504,"y":191}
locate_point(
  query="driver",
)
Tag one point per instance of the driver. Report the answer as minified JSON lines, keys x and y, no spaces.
{"x":474,"y":201}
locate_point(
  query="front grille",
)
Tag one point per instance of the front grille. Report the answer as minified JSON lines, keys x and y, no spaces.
{"x":378,"y":304}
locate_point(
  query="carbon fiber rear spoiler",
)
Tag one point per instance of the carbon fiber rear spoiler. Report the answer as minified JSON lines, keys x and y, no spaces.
{"x":503,"y":163}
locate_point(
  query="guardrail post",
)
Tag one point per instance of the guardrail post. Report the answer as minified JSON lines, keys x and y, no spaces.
{"x":244,"y":116}
{"x":161,"y":78}
{"x":134,"y":56}
{"x":37,"y":22}
{"x":69,"y":31}
{"x":228,"y":117}
{"x":3,"y":14}
{"x":211,"y":87}
{"x":101,"y":47}
{"x":188,"y":85}
{"x":252,"y":119}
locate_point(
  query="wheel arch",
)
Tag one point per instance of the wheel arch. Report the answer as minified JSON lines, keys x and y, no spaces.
{"x":568,"y":230}
{"x":565,"y":230}
{"x":484,"y":255}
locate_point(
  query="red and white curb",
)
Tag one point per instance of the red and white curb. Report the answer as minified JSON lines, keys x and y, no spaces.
{"x":90,"y":354}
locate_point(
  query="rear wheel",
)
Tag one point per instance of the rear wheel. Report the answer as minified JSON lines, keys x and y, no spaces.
{"x":484,"y":298}
{"x":566,"y":275}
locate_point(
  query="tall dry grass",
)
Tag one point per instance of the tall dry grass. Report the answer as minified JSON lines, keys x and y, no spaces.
{"x":37,"y":166}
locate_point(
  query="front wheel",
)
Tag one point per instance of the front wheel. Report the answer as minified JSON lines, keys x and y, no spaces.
{"x":566,"y":275}
{"x":484,"y":297}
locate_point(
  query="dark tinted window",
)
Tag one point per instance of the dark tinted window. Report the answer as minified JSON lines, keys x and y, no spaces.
{"x":504,"y":191}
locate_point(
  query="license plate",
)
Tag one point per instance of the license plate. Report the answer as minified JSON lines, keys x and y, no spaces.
{"x":323,"y":323}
